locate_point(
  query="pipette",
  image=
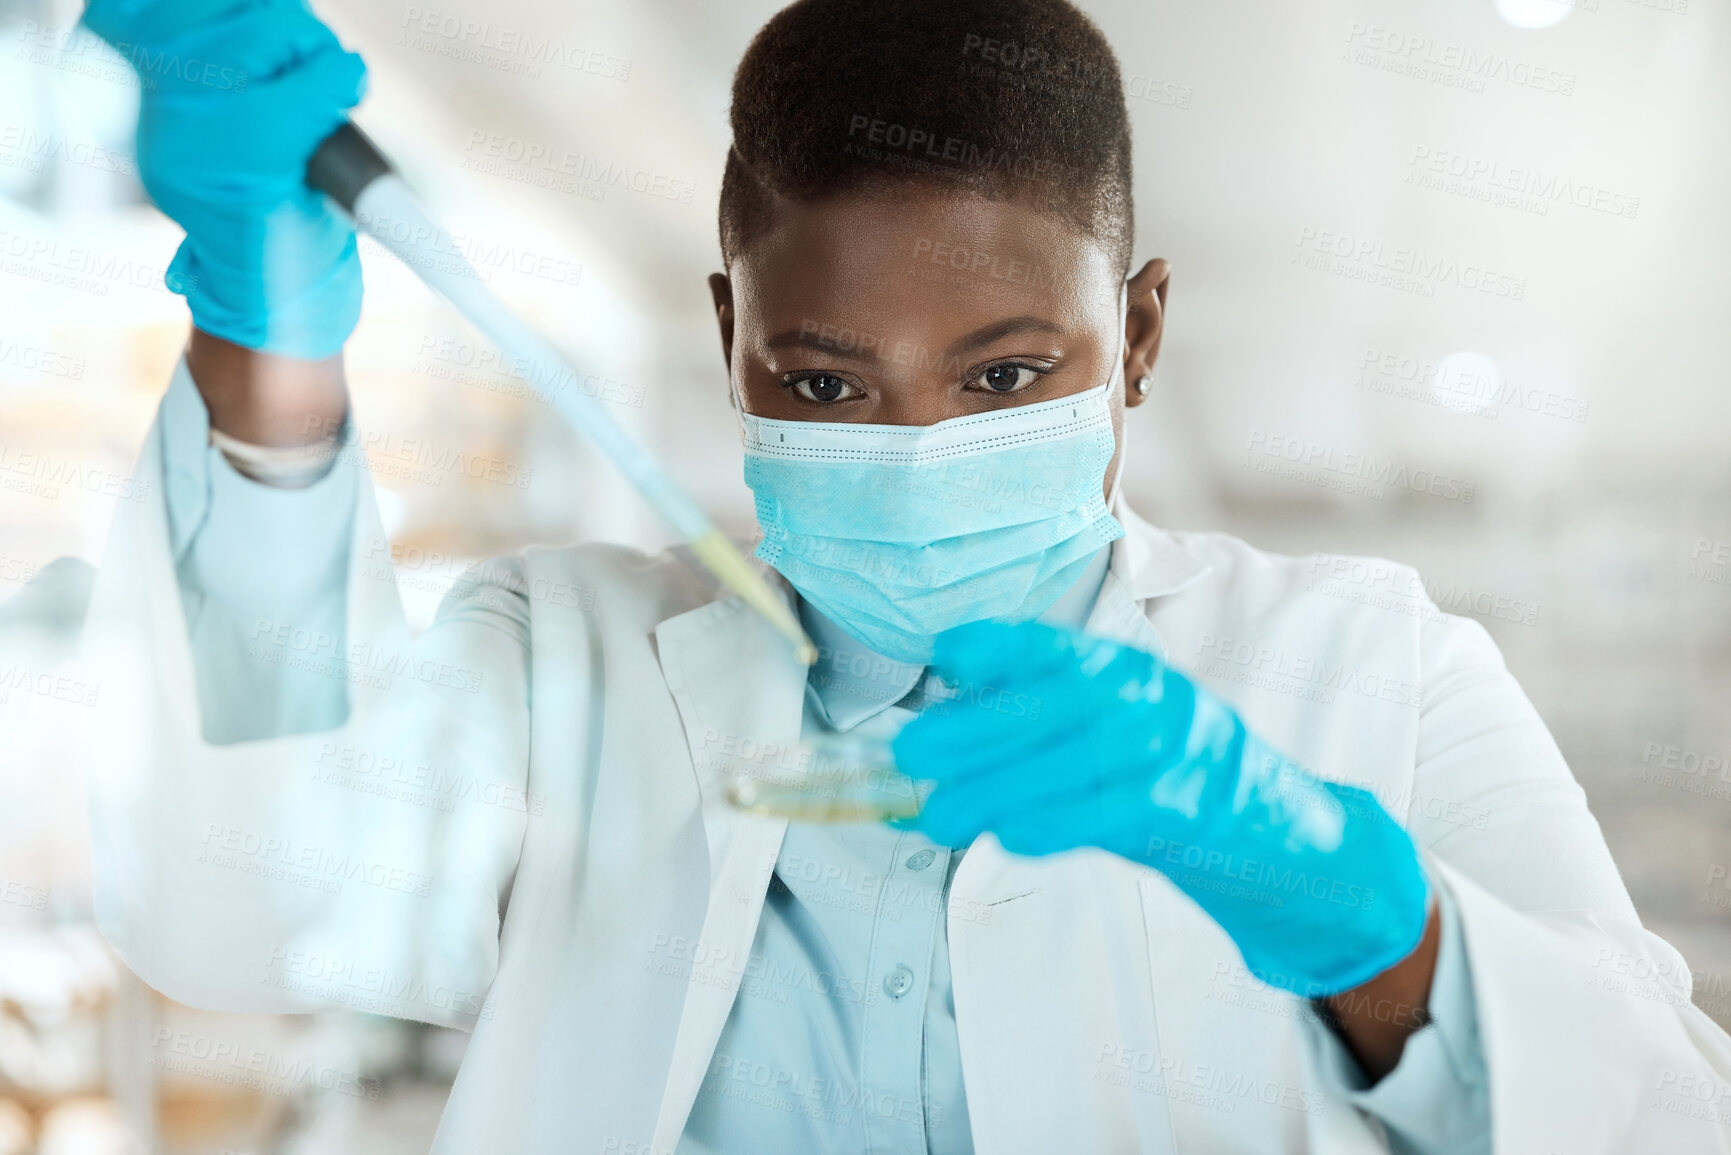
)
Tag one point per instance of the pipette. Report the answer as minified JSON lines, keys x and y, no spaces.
{"x":349,"y":168}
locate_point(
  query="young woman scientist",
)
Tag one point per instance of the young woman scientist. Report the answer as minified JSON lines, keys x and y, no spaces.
{"x":1166,"y":896}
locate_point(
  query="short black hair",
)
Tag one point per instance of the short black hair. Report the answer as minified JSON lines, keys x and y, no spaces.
{"x":1013,"y":99}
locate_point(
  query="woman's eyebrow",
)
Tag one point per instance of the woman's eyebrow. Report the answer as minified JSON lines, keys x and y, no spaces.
{"x":862,"y":347}
{"x":841,"y":342}
{"x":998,"y":330}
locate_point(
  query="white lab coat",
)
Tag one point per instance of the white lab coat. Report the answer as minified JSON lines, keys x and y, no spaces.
{"x":587,"y":902}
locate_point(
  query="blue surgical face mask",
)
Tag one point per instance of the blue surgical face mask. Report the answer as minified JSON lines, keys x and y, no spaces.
{"x":899,"y":532}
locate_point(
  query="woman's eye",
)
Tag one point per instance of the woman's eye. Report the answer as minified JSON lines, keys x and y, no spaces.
{"x":1007,"y":378}
{"x":822,"y":388}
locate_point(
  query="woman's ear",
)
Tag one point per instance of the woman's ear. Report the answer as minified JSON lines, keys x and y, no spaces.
{"x":1143,"y":325}
{"x":721,"y":292}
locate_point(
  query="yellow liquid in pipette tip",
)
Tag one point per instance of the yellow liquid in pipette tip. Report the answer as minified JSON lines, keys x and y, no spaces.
{"x":729,"y":565}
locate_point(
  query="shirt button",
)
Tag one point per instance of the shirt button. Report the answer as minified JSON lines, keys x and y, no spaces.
{"x":898,"y":982}
{"x":920,"y":859}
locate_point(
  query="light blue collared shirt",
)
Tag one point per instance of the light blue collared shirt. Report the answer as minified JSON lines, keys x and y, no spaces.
{"x":830,"y":1046}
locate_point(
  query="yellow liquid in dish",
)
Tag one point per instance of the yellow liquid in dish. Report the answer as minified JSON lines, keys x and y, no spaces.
{"x":848,"y":779}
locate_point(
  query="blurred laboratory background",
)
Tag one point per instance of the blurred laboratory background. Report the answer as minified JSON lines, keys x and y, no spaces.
{"x":1449,"y":287}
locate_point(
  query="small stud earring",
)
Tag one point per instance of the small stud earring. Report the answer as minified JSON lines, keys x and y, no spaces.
{"x":1143,"y":384}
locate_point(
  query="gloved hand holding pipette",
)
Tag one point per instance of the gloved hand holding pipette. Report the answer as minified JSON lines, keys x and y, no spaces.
{"x":224,"y":136}
{"x":246,"y":152}
{"x":1316,"y":884}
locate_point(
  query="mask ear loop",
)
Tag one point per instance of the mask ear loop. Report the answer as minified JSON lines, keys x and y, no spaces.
{"x":1118,"y":376}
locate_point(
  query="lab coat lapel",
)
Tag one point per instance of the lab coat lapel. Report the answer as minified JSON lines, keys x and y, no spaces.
{"x":739,"y":692}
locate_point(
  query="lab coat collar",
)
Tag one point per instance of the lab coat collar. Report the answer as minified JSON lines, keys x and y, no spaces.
{"x":1149,"y":562}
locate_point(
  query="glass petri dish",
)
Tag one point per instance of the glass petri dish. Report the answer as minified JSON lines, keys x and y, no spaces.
{"x":833,"y":778}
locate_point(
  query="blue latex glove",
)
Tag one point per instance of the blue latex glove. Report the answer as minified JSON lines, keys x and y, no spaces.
{"x":235,"y":97}
{"x":1319,"y":888}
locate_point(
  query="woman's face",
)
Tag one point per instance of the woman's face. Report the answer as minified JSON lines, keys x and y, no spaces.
{"x":912,"y":307}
